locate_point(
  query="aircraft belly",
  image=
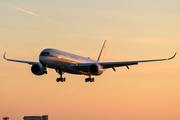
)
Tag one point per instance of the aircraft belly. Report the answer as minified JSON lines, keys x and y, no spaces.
{"x":56,"y":63}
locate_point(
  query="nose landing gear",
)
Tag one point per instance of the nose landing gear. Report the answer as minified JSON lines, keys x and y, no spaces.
{"x":60,"y":78}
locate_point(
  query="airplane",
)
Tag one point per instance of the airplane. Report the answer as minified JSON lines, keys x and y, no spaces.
{"x":64,"y":62}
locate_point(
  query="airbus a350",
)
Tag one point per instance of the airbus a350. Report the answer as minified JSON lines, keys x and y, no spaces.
{"x":64,"y":62}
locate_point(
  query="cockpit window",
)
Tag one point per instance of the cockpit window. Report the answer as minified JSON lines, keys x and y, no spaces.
{"x":45,"y":53}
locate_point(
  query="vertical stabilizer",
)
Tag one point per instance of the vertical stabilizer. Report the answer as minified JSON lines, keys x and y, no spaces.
{"x":103,"y":52}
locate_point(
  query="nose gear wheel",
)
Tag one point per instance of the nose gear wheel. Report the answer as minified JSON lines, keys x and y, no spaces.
{"x":60,"y":78}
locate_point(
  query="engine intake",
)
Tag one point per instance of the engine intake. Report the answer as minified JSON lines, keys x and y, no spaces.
{"x":95,"y":69}
{"x":38,"y":69}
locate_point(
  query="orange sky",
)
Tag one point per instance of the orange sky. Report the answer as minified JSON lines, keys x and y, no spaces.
{"x":135,"y":30}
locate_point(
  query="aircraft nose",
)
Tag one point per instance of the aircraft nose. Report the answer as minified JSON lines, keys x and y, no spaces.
{"x":43,"y":56}
{"x":42,"y":59}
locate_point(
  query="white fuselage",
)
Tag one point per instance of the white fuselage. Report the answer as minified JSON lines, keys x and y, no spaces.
{"x":57,"y":59}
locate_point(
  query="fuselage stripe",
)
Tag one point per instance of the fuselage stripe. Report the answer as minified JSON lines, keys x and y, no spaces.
{"x":61,"y":58}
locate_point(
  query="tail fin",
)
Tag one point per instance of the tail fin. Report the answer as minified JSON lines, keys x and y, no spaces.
{"x":103,"y":52}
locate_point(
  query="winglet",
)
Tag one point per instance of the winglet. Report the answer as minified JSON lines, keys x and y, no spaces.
{"x":172,"y":56}
{"x":4,"y":56}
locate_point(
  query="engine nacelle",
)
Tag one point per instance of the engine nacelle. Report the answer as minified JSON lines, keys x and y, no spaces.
{"x":95,"y":69}
{"x":38,"y":69}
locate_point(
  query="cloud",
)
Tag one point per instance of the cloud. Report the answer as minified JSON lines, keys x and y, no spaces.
{"x":26,"y":11}
{"x":53,"y":21}
{"x":31,"y":13}
{"x":21,"y":9}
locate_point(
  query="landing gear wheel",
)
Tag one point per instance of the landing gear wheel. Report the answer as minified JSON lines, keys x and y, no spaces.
{"x":58,"y":79}
{"x":60,"y":73}
{"x":63,"y":79}
{"x":89,"y":80}
{"x":86,"y":80}
{"x":92,"y":79}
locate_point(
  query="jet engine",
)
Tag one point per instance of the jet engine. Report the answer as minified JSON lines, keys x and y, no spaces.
{"x":95,"y":69}
{"x":38,"y":69}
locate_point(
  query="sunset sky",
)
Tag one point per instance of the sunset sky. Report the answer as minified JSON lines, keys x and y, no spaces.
{"x":135,"y":30}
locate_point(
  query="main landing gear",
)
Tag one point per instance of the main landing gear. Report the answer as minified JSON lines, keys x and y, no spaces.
{"x":89,"y":79}
{"x":60,"y":78}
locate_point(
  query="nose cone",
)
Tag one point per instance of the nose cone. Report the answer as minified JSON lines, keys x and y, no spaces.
{"x":42,"y":59}
{"x":43,"y":56}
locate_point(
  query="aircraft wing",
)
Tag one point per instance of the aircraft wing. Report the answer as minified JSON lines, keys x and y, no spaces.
{"x":28,"y":62}
{"x":106,"y":65}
